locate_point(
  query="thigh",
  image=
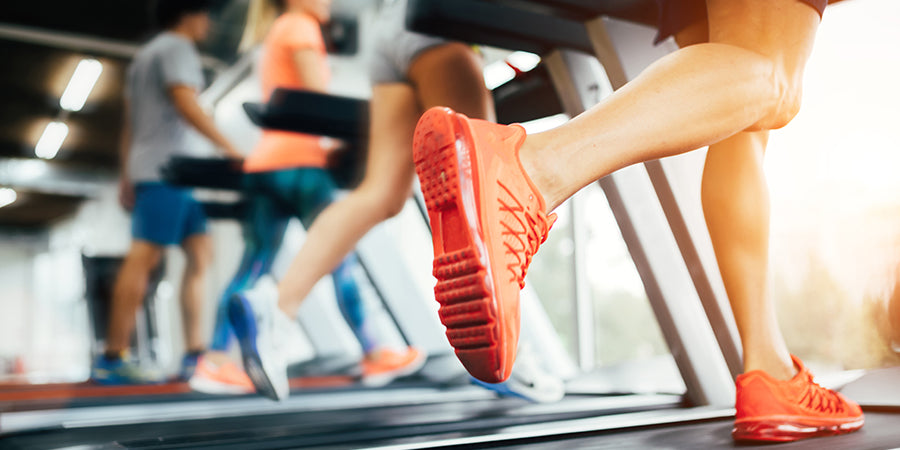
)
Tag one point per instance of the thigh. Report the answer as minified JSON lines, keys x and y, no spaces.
{"x":452,"y":75}
{"x":782,"y":30}
{"x":144,"y":255}
{"x":198,"y":248}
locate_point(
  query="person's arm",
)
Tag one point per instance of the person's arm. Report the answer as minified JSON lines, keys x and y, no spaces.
{"x":126,"y":188}
{"x":307,"y":62}
{"x":184,"y":98}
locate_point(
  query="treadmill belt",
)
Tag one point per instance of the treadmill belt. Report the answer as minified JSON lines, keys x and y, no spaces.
{"x":340,"y":428}
{"x":880,"y":432}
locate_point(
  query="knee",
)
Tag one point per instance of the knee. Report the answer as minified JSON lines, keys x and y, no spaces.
{"x":393,"y":205}
{"x":384,"y":202}
{"x":785,"y":94}
{"x":140,"y":263}
{"x":198,"y":261}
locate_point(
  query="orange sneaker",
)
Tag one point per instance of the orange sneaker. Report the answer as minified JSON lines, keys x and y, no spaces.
{"x":487,"y":220}
{"x":769,"y":409}
{"x":389,"y":365}
{"x":225,"y":379}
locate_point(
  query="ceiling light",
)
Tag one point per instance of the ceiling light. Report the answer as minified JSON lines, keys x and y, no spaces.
{"x":81,"y":84}
{"x":524,"y":61}
{"x":498,"y":73}
{"x":52,"y":139}
{"x":7,"y":197}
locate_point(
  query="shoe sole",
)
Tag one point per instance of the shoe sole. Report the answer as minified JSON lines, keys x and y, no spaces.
{"x":212,"y":387}
{"x":240,"y":313}
{"x":383,"y":379}
{"x":464,"y":288}
{"x":790,"y":429}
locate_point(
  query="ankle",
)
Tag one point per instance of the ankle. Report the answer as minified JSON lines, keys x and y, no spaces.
{"x":374,"y":355}
{"x":217,"y":358}
{"x":285,"y":305}
{"x":775,"y":367}
{"x":536,"y":170}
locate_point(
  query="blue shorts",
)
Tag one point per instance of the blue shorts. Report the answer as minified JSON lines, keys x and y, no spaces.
{"x":165,"y":215}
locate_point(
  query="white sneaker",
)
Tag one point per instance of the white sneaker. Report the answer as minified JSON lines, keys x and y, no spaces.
{"x":528,"y":381}
{"x":261,"y":329}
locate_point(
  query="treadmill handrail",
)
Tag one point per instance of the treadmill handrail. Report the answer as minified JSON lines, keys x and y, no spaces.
{"x":639,"y":11}
{"x":496,"y":24}
{"x":312,"y":113}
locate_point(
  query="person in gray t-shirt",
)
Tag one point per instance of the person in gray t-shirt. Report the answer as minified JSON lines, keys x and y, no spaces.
{"x":162,"y":119}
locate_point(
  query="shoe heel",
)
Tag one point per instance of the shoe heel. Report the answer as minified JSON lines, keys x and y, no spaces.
{"x":435,"y":158}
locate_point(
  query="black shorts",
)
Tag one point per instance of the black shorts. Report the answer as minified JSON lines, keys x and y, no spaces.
{"x":676,"y":15}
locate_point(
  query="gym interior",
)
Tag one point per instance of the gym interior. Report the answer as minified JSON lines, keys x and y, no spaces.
{"x":624,"y":305}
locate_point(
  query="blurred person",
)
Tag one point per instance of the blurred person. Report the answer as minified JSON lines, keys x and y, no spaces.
{"x":409,"y":71}
{"x":287,"y":177}
{"x":161,"y":114}
{"x":491,"y":189}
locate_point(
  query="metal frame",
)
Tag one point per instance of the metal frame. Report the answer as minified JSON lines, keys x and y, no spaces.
{"x":49,"y":177}
{"x":584,"y":306}
{"x":646,"y":231}
{"x":84,"y":44}
{"x":702,"y":272}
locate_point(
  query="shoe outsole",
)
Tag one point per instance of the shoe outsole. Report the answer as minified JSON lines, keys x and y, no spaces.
{"x":790,"y":429}
{"x":464,"y":288}
{"x":242,"y":319}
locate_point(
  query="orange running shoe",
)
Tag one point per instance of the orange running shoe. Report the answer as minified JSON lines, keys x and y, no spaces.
{"x":487,"y":220}
{"x":774,"y":410}
{"x":224,"y":379}
{"x":388,"y":365}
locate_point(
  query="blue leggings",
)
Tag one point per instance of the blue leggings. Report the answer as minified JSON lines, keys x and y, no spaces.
{"x":275,"y":197}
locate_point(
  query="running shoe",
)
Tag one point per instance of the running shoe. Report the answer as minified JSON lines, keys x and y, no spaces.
{"x":223,"y":379}
{"x":528,"y":381}
{"x":122,"y":371}
{"x":774,"y":410}
{"x":488,"y":219}
{"x":387,"y":365}
{"x":261,"y":329}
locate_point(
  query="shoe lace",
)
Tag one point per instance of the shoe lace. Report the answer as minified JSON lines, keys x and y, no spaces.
{"x":529,"y":230}
{"x":821,"y":399}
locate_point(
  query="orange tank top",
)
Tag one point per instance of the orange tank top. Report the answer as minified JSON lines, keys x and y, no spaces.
{"x":277,"y":150}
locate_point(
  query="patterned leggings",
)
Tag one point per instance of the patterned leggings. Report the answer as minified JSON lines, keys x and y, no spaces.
{"x":275,"y":197}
